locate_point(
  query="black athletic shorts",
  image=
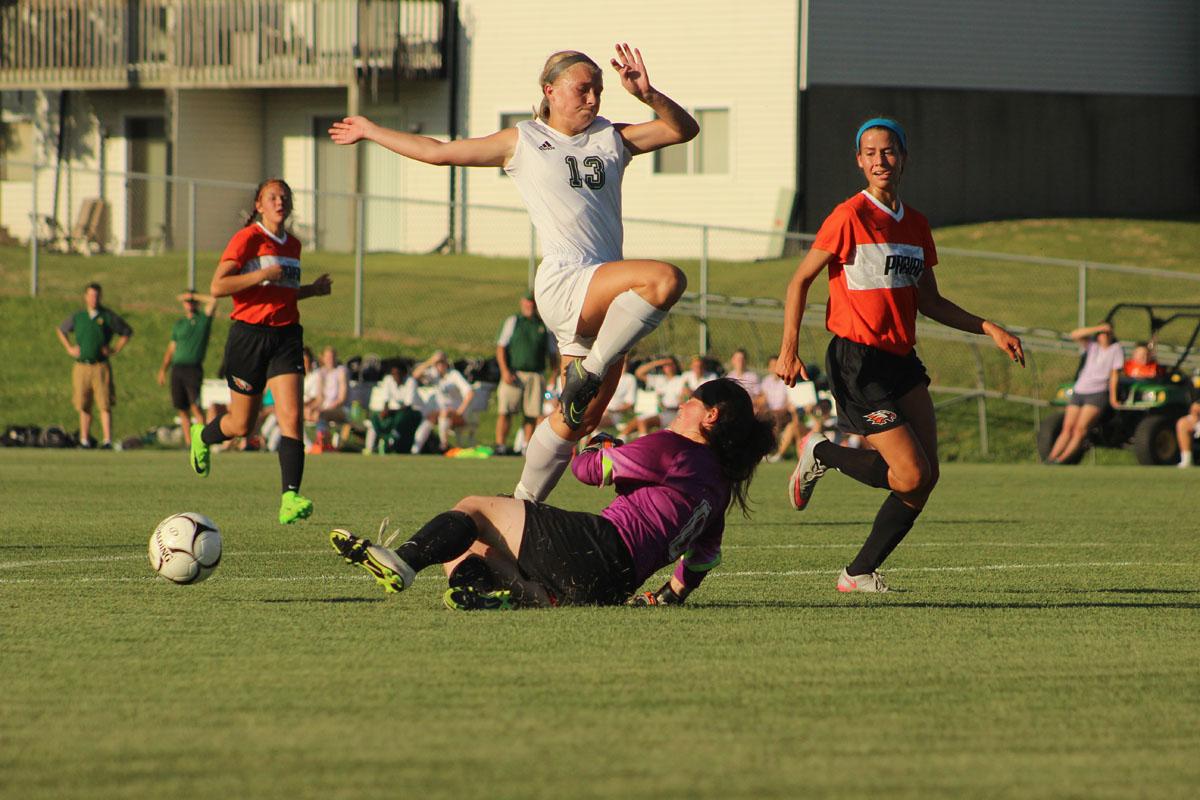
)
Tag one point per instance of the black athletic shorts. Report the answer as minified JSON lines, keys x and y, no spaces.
{"x":256,"y":353}
{"x":578,"y":557}
{"x":185,"y":385}
{"x":867,"y":383}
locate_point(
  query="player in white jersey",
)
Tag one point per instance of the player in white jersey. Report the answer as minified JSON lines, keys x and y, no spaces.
{"x":567,"y":165}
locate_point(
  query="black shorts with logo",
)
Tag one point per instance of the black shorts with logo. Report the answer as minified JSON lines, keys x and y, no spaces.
{"x":579,"y":558}
{"x":867,"y":383}
{"x":185,"y":385}
{"x":256,"y":353}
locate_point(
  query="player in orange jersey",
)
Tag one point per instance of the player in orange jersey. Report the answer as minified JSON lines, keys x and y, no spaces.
{"x":880,"y":256}
{"x":261,"y":269}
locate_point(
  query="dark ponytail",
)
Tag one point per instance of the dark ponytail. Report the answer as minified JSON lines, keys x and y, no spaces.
{"x":252,"y":217}
{"x":738,"y":438}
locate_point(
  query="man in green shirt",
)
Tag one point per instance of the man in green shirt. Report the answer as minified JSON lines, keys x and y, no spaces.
{"x":524,"y":349}
{"x":91,"y":378}
{"x":185,"y":357}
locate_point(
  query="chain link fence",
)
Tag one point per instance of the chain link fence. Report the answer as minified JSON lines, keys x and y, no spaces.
{"x":415,"y":275}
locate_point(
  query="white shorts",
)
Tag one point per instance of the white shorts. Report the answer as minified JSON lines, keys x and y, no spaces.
{"x":559,"y":290}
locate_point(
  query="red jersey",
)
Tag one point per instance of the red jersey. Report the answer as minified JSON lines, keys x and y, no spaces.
{"x":270,"y":302}
{"x":879,"y":257}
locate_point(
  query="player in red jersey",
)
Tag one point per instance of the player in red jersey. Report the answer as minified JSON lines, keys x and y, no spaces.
{"x":880,"y":256}
{"x":261,"y":269}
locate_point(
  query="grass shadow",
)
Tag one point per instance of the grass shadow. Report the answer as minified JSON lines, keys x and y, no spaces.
{"x":275,"y":600}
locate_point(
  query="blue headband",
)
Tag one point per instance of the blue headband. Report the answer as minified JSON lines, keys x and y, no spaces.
{"x":882,"y":122}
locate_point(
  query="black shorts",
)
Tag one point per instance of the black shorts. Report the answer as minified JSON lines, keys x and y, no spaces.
{"x":578,"y":557}
{"x":867,"y":384}
{"x":185,"y":385}
{"x":256,"y":353}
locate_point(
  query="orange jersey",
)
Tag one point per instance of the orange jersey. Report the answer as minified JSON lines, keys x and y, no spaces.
{"x":879,"y":257}
{"x":270,"y":302}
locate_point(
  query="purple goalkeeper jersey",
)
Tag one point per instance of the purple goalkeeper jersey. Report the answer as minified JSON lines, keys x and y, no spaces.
{"x":671,"y":502}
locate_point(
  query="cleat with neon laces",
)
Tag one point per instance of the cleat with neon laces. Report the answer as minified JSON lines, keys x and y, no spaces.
{"x":387,"y":568}
{"x":579,"y":390}
{"x":468,"y":598}
{"x":871,"y":582}
{"x":808,"y":471}
{"x":292,"y":507}
{"x":199,"y":456}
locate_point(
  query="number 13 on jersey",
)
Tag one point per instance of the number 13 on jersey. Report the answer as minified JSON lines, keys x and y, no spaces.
{"x":595,"y":176}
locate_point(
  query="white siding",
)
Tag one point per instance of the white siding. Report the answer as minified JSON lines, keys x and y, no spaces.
{"x":218,"y":135}
{"x":1087,"y":46}
{"x":698,"y":53}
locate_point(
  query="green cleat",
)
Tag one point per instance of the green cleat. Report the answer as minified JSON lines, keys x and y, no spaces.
{"x":388,"y":570}
{"x":293,"y":507}
{"x":468,"y":598}
{"x":579,"y":390}
{"x":199,"y":455}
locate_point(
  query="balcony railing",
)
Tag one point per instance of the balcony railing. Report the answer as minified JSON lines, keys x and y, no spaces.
{"x":94,"y":44}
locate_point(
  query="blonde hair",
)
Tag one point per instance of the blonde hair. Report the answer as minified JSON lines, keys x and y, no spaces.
{"x":556,"y":65}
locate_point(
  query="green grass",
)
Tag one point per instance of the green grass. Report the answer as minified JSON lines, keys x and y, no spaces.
{"x":1045,"y":646}
{"x":416,"y":303}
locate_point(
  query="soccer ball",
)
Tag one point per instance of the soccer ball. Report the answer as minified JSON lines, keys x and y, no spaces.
{"x":185,"y":548}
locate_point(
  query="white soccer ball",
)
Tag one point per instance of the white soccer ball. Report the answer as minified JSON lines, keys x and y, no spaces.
{"x":185,"y":548}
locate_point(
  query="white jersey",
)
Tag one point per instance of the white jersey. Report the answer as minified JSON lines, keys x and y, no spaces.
{"x":571,"y":186}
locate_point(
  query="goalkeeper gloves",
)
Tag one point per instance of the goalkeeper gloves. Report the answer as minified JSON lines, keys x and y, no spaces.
{"x":601,"y":441}
{"x":666,"y":596}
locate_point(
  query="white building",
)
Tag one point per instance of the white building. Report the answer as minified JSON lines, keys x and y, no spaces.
{"x":1014,"y":108}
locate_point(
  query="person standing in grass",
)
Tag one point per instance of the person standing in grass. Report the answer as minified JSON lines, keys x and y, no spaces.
{"x":524,"y":349}
{"x":673,"y":490}
{"x":880,"y":255}
{"x":94,"y":329}
{"x":567,"y":165}
{"x":185,"y":357}
{"x":260,"y":268}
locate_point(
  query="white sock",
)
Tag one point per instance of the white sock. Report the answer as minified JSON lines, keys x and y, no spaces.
{"x":422,"y":435}
{"x":370,"y":438}
{"x":629,"y":319}
{"x":1185,"y":458}
{"x":546,"y":457}
{"x":444,"y":431}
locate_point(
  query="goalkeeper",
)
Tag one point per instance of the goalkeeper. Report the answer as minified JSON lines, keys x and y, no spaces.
{"x":673,"y":489}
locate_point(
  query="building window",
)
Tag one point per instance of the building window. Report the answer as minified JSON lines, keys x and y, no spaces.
{"x":707,"y":154}
{"x":16,"y":144}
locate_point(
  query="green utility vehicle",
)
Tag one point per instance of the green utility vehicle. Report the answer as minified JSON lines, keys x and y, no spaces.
{"x":1148,"y":406}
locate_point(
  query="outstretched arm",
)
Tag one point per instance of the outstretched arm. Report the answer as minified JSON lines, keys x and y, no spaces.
{"x":672,"y":124}
{"x":1087,"y":332}
{"x":486,"y":151}
{"x":789,"y":366}
{"x":932,"y":304}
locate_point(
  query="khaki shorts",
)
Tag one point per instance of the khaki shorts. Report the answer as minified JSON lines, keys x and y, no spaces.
{"x":92,"y":382}
{"x":525,"y":396}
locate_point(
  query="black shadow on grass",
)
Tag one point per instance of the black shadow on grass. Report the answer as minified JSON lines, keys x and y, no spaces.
{"x":810,"y":522}
{"x":317,"y":600}
{"x":889,"y":604}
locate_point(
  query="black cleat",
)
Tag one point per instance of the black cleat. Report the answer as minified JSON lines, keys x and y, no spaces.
{"x":579,"y":390}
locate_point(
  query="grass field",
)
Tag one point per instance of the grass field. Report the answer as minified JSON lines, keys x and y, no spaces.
{"x":1045,"y":646}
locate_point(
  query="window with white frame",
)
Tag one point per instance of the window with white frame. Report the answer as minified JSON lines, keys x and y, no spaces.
{"x":707,"y":154}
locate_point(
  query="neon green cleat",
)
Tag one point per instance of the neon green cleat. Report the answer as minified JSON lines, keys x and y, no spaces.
{"x":468,"y":598}
{"x":388,"y":569}
{"x":199,"y":455}
{"x":293,"y":507}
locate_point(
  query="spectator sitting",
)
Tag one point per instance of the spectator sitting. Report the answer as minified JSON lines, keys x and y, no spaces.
{"x":452,"y":399}
{"x":1094,"y":392}
{"x":672,"y":387}
{"x":622,"y":402}
{"x":312,"y":389}
{"x":393,"y":426}
{"x":748,"y":380}
{"x":333,"y":387}
{"x":1142,"y":364}
{"x":1187,"y":429}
